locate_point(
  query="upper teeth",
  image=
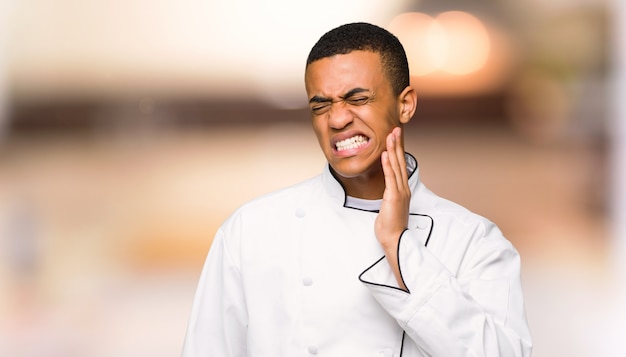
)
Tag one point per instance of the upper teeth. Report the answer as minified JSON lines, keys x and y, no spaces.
{"x":351,"y":143}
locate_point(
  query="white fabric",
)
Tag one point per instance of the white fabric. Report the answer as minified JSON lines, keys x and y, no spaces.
{"x":295,"y":273}
{"x":361,"y":203}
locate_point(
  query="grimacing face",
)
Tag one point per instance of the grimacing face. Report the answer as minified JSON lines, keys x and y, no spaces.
{"x":353,"y":109}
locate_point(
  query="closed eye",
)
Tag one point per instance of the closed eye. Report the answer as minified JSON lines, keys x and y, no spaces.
{"x":357,"y":100}
{"x":321,"y":108}
{"x":355,"y":97}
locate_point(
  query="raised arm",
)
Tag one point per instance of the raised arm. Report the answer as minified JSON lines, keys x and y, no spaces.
{"x":462,"y":297}
{"x":394,"y":211}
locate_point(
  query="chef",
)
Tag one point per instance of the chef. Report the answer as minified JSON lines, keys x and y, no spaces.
{"x":361,"y":260}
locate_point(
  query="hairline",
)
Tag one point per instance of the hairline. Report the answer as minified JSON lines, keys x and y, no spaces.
{"x":387,"y":73}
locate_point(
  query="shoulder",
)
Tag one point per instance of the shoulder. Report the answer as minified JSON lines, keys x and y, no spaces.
{"x":296,"y":192}
{"x":463,"y":239}
{"x":455,"y":218}
{"x":445,"y":208}
{"x":276,"y":203}
{"x":265,"y":218}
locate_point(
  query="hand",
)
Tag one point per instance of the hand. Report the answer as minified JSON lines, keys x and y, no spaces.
{"x":393,"y":217}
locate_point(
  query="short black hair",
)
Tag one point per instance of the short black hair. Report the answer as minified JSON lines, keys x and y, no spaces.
{"x":361,"y":36}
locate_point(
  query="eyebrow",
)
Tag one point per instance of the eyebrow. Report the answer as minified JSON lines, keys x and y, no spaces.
{"x":350,"y":93}
{"x":319,"y":99}
{"x":353,"y":92}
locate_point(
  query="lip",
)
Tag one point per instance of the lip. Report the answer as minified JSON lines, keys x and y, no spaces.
{"x":346,"y":135}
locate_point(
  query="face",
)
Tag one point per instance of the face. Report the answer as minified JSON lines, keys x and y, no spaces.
{"x":353,"y":109}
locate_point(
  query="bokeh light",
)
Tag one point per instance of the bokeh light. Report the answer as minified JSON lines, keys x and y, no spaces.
{"x":454,"y":42}
{"x":454,"y":52}
{"x":412,"y":29}
{"x":467,"y":42}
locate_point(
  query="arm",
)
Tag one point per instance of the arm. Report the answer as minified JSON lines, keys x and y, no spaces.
{"x":217,"y":326}
{"x":394,"y":211}
{"x":478,"y":312}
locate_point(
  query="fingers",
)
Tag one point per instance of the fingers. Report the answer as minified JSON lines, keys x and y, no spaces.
{"x":390,"y":178}
{"x":394,"y":211}
{"x":395,"y":169}
{"x":401,"y":159}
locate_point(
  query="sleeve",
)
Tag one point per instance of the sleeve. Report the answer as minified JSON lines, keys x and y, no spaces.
{"x":218,"y":321}
{"x":478,"y":312}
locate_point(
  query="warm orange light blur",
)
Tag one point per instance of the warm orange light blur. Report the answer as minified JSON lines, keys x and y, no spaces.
{"x":452,"y":53}
{"x":466,"y":41}
{"x":454,"y":42}
{"x":413,"y":30}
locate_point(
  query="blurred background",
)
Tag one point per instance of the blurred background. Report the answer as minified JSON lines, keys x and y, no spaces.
{"x":129,"y":130}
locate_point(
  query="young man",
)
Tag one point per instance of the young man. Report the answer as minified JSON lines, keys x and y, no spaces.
{"x":362,"y":260}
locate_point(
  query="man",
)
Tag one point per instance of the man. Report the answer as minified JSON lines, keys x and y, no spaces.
{"x":362,"y":260}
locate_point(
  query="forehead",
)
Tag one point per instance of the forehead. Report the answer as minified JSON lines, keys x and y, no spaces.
{"x":336,"y":75}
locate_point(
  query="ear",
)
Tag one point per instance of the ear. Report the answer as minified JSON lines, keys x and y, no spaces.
{"x":407,"y":100}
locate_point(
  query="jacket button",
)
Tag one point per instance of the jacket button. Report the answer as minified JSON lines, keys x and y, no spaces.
{"x":312,"y":350}
{"x":307,"y":281}
{"x":387,"y":352}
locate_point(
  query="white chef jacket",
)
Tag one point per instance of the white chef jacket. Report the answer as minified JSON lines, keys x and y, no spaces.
{"x":296,"y":273}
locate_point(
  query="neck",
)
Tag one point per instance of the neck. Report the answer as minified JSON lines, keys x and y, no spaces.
{"x":370,"y":187}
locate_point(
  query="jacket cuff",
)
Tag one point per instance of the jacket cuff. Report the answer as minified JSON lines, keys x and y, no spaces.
{"x":421,"y":273}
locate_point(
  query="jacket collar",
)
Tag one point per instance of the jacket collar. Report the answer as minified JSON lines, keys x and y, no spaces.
{"x":338,"y":194}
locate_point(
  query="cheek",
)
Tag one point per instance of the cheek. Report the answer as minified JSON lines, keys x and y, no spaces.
{"x":317,"y":127}
{"x":392,"y":120}
{"x":383,"y":123}
{"x":320,"y":134}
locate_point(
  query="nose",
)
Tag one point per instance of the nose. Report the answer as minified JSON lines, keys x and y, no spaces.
{"x":339,"y":116}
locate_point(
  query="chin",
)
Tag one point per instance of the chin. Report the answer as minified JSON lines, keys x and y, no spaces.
{"x":351,"y":170}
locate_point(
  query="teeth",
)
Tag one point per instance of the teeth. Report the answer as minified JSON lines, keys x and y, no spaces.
{"x":351,"y":143}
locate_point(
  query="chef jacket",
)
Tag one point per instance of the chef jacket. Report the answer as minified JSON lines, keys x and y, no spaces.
{"x":298,"y":273}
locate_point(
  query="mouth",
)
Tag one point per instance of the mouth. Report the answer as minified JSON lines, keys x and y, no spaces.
{"x":351,"y":143}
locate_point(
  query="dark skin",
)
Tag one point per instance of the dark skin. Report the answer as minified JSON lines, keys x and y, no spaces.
{"x":357,"y":120}
{"x":358,"y":185}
